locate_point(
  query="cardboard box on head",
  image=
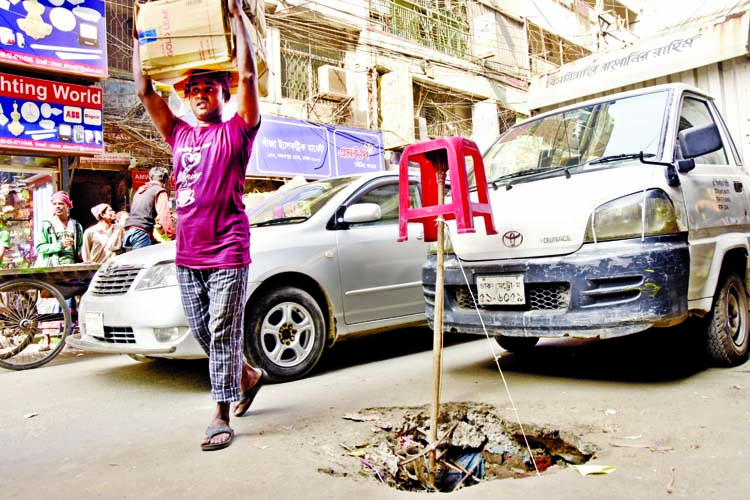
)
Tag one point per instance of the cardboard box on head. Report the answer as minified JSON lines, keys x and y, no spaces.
{"x":177,"y":36}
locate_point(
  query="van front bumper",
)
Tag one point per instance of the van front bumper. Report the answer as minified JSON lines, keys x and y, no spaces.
{"x":603,"y":290}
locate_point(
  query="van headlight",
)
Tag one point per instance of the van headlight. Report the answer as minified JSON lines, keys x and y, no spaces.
{"x":648,"y":213}
{"x":159,"y":276}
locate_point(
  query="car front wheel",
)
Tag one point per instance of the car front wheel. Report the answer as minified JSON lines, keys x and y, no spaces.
{"x":284,"y":333}
{"x":726,"y":326}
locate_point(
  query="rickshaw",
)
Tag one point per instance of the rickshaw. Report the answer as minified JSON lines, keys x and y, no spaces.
{"x":35,"y":315}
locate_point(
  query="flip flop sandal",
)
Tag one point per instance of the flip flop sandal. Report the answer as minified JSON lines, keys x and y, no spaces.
{"x":249,"y":395}
{"x":212,"y":432}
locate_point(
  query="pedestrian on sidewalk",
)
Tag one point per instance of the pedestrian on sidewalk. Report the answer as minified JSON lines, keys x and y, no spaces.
{"x":104,"y":239}
{"x":61,"y":236}
{"x":213,"y":247}
{"x":150,"y":204}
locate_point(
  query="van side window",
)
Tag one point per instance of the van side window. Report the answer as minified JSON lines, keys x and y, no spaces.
{"x":695,"y":113}
{"x":387,"y":198}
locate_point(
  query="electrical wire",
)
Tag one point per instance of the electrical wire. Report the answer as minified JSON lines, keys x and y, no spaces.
{"x":496,"y":357}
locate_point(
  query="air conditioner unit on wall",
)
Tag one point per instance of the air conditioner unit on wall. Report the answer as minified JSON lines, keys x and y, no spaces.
{"x":332,"y":83}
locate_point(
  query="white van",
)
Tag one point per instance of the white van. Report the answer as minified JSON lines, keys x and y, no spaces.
{"x":614,"y":215}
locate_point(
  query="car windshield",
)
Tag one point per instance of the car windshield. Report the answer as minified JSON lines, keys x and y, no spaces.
{"x":289,"y":206}
{"x":600,"y":134}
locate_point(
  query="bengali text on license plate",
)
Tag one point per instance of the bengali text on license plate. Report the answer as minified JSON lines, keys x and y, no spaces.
{"x":501,"y":290}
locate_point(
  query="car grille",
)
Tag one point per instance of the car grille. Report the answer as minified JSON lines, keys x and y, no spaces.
{"x":539,"y":297}
{"x":117,"y":335}
{"x":113,"y":280}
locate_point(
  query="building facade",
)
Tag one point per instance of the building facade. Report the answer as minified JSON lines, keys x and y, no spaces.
{"x":411,"y":69}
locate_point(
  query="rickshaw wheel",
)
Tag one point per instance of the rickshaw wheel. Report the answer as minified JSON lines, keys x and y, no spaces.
{"x":34,"y":322}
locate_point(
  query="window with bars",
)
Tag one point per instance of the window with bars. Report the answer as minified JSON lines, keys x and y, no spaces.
{"x":445,"y":113}
{"x":436,"y":24}
{"x":547,"y":50}
{"x":299,"y":66}
{"x":119,"y":35}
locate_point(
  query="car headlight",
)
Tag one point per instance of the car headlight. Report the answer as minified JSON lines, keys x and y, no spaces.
{"x":648,"y":213}
{"x":159,"y":276}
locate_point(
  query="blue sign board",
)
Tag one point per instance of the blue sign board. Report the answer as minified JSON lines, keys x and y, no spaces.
{"x":65,"y":36}
{"x":286,"y":148}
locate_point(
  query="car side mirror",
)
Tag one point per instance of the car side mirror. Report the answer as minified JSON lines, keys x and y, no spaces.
{"x":698,"y":141}
{"x":685,"y":166}
{"x":362,"y":212}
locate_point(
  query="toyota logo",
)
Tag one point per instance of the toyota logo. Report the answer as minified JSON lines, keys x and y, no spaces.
{"x":512,"y":239}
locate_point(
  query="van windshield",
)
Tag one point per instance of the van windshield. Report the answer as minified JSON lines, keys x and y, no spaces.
{"x":618,"y":129}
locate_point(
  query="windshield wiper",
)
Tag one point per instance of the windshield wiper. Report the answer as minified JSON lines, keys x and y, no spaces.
{"x":281,"y":220}
{"x":531,"y":172}
{"x":623,"y":156}
{"x":515,"y":175}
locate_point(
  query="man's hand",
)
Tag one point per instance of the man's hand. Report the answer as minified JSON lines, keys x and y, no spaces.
{"x":67,"y":242}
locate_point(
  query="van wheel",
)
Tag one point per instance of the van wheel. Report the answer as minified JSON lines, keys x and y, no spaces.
{"x":726,"y":330}
{"x":284,"y":333}
{"x":516,"y":344}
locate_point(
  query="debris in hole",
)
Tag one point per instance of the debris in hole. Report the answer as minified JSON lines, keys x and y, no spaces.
{"x":475,"y":443}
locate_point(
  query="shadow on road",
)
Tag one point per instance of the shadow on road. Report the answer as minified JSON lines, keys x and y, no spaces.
{"x":381,"y":346}
{"x":186,"y":375}
{"x":656,"y":355}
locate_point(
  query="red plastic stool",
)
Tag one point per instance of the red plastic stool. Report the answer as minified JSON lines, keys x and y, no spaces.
{"x":433,"y":156}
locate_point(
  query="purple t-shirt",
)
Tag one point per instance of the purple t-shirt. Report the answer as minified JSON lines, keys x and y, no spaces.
{"x":209,"y":168}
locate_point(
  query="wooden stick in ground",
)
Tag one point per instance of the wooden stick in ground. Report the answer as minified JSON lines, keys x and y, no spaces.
{"x":431,"y":447}
{"x":441,"y":168}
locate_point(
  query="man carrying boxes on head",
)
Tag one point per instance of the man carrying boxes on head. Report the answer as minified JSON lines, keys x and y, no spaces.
{"x":213,"y":248}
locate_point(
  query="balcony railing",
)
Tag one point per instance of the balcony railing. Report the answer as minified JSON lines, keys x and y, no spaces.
{"x":443,"y":30}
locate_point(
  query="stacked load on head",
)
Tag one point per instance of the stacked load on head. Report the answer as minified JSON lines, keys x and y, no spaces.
{"x":178,"y":36}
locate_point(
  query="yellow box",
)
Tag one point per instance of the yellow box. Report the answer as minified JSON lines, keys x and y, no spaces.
{"x":176,"y":36}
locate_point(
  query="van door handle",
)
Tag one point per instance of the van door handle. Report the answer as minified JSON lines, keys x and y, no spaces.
{"x":738,"y":186}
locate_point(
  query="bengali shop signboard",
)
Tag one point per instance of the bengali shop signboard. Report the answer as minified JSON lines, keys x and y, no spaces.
{"x":65,"y":36}
{"x":286,"y":148}
{"x":42,"y":115}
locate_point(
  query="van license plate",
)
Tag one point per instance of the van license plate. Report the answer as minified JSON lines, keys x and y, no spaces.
{"x":94,"y":324}
{"x":501,"y":290}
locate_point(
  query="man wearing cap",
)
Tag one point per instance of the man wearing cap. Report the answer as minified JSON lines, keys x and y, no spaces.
{"x":213,"y":246}
{"x":102,"y":240}
{"x":61,"y":236}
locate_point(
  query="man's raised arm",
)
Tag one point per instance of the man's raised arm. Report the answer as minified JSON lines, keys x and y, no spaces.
{"x":248,"y":105}
{"x":157,"y":108}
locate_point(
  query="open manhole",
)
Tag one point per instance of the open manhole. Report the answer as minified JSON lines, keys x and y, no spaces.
{"x":475,"y":444}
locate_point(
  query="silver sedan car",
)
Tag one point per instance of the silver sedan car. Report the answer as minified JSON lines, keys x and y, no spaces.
{"x":326,"y":265}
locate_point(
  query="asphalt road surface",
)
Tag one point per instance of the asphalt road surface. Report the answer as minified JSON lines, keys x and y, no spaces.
{"x":101,"y":426}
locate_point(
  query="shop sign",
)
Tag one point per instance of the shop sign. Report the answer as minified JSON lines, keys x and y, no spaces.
{"x":140,"y":177}
{"x":55,"y":35}
{"x":286,"y":147}
{"x":42,"y":115}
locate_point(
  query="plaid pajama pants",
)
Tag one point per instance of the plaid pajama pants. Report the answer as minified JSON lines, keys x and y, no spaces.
{"x":214,"y":303}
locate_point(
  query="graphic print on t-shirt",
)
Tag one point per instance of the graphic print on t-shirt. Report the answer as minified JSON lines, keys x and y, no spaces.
{"x":189,"y":174}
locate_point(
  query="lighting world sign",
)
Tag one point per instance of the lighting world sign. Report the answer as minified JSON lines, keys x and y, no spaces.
{"x":42,"y":115}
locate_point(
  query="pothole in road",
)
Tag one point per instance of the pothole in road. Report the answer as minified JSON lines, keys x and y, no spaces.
{"x":475,"y":444}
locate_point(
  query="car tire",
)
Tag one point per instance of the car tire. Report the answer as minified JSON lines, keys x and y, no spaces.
{"x":726,"y":325}
{"x":284,"y":333}
{"x":516,"y":344}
